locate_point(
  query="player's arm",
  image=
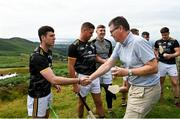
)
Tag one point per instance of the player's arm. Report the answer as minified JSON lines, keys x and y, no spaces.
{"x":49,"y":75}
{"x":177,"y":52}
{"x":72,"y":72}
{"x":102,"y":69}
{"x":100,"y":60}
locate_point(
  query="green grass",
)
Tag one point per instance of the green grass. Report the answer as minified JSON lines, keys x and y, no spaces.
{"x":65,"y":105}
{"x":14,"y":61}
{"x":13,"y":94}
{"x":13,"y":88}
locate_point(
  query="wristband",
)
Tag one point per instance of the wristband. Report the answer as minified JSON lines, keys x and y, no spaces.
{"x":130,"y":72}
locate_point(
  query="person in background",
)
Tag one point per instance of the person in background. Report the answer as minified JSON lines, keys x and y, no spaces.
{"x":104,"y":51}
{"x":42,"y":76}
{"x":82,"y":62}
{"x":135,"y":31}
{"x":167,"y":49}
{"x":178,"y":65}
{"x":139,"y":65}
{"x":125,"y":86}
{"x":145,"y":35}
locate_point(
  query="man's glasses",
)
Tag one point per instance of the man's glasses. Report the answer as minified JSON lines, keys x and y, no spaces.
{"x":114,"y":29}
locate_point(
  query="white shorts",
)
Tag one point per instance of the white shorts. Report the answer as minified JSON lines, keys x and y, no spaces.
{"x":169,"y":69}
{"x":106,"y":78}
{"x":38,"y":106}
{"x":93,"y":87}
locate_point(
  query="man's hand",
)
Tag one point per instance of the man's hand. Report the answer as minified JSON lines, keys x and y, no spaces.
{"x":58,"y":88}
{"x":113,"y":70}
{"x":85,"y":81}
{"x":117,"y":71}
{"x":167,"y":56}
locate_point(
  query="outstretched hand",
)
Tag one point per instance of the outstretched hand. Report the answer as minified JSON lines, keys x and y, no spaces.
{"x":85,"y":81}
{"x":58,"y":88}
{"x":118,"y":71}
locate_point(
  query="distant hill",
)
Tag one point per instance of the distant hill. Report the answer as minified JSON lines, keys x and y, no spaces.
{"x":16,"y":46}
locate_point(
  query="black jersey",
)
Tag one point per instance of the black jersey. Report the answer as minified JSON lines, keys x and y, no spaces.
{"x":166,"y":46}
{"x":85,"y":54}
{"x":39,"y":60}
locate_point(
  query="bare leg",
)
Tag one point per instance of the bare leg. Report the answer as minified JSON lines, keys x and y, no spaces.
{"x":124,"y":92}
{"x":162,"y":87}
{"x":47,"y":114}
{"x":98,"y":102}
{"x":175,"y":85}
{"x":81,"y":108}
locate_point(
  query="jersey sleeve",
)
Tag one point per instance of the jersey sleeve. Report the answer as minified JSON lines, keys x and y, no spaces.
{"x":156,"y":45}
{"x":110,"y":50}
{"x":176,"y":44}
{"x":95,"y":51}
{"x":39,"y":63}
{"x":72,"y":51}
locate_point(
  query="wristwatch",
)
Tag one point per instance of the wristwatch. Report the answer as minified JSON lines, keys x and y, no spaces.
{"x":130,"y":72}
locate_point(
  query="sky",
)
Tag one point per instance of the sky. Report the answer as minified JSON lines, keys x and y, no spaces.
{"x":22,"y":18}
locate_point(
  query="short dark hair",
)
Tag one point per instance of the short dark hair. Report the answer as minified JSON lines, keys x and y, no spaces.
{"x":164,"y":30}
{"x":101,"y":26}
{"x":120,"y":20}
{"x":145,"y":33}
{"x":135,"y":31}
{"x":87,"y":25}
{"x":43,"y":31}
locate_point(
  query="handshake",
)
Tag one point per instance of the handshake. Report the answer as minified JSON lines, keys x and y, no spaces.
{"x":85,"y":80}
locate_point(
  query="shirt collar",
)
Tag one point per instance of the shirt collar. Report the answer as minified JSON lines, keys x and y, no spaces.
{"x":128,"y":39}
{"x":102,"y":40}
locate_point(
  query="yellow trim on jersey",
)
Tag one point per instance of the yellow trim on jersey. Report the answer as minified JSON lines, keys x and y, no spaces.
{"x":72,"y":58}
{"x":35,"y":108}
{"x":44,"y":69}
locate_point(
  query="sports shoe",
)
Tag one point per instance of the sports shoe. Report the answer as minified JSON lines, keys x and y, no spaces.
{"x":123,"y":102}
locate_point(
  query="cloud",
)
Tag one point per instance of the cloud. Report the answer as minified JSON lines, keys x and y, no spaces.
{"x":23,"y":17}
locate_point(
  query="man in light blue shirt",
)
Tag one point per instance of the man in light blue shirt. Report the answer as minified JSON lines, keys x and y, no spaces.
{"x":139,"y":65}
{"x":135,"y":52}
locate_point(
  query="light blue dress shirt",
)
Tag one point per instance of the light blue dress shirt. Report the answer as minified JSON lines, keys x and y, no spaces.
{"x":136,"y":52}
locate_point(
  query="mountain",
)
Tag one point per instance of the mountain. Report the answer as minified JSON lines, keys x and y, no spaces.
{"x":16,"y":46}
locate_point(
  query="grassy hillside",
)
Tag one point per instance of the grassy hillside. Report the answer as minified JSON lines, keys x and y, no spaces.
{"x":13,"y":95}
{"x":23,"y":47}
{"x":16,"y":46}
